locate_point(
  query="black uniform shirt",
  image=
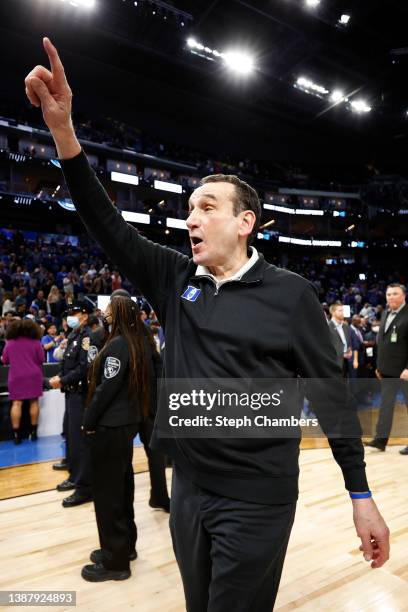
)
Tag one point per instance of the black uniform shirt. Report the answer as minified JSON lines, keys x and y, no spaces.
{"x":111,"y":404}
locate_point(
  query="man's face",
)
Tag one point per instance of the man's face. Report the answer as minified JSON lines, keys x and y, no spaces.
{"x":213,"y":229}
{"x":339,"y":313}
{"x":395,"y":297}
{"x":52,"y":330}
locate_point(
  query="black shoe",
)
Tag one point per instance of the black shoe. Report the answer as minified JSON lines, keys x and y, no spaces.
{"x":62,"y":465}
{"x":33,"y":436}
{"x":376,"y":444}
{"x":96,"y":556}
{"x":404,"y":451}
{"x":17,"y":436}
{"x":65,"y":485}
{"x":75,"y":500}
{"x":165,"y":506}
{"x":98,"y":573}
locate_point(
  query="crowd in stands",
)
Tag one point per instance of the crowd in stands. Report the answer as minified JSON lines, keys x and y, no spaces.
{"x":39,"y":278}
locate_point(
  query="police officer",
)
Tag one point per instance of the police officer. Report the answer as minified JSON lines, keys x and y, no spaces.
{"x":72,"y":381}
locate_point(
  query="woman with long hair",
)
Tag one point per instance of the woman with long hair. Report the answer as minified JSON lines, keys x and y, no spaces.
{"x":25,"y":355}
{"x":121,"y":388}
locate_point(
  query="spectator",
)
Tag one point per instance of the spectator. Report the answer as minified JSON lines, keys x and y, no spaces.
{"x":25,"y":355}
{"x":116,"y":281}
{"x":50,"y":341}
{"x":40,"y":300}
{"x":8,"y":304}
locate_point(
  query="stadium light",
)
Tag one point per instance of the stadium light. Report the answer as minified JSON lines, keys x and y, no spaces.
{"x":312,"y":3}
{"x":310,"y":87}
{"x":344,"y":19}
{"x":337,"y":96}
{"x":239,"y":61}
{"x":360,"y":106}
{"x":87,"y":4}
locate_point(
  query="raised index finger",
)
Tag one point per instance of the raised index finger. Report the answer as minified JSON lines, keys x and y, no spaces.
{"x":57,"y":69}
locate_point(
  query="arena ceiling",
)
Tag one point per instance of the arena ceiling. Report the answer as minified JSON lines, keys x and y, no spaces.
{"x":131,"y":59}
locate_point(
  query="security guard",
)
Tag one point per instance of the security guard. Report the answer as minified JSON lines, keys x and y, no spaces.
{"x":72,"y":381}
{"x":159,"y":497}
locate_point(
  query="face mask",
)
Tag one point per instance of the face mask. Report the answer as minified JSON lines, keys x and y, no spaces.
{"x":105,"y":324}
{"x":375,"y":329}
{"x":73,"y":322}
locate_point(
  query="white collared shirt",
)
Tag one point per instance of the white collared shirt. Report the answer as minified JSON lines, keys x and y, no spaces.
{"x":204,"y":271}
{"x":340,"y":331}
{"x":391,"y":316}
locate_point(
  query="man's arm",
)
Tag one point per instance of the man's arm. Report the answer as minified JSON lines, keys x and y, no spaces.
{"x":149,"y":266}
{"x":315,"y":358}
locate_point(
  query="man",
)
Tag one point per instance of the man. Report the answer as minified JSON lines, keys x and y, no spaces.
{"x":341,"y":337}
{"x":40,"y":300}
{"x":392,"y":362}
{"x":73,"y":382}
{"x":233,"y":502}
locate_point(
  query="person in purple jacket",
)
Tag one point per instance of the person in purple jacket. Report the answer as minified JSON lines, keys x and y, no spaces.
{"x":25,"y":355}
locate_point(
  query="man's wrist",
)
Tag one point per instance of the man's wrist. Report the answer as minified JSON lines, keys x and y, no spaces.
{"x":66,"y":141}
{"x":360,"y":495}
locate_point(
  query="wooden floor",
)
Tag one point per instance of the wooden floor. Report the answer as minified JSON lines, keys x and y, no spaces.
{"x":43,"y":546}
{"x":39,"y":477}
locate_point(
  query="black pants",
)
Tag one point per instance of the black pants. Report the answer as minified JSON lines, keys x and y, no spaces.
{"x":230,"y":553}
{"x":389,"y":390}
{"x":113,"y":489}
{"x":157,"y":466}
{"x":77,"y":444}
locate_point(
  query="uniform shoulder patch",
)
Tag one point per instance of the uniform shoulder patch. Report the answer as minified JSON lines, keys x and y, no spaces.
{"x":112,"y":367}
{"x":85,"y":343}
{"x":92,"y":353}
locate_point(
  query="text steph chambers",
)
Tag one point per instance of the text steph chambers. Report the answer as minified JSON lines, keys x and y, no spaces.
{"x":240,"y":422}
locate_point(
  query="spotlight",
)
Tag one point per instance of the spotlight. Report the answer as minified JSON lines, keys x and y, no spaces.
{"x":360,"y":106}
{"x":88,"y":4}
{"x":337,"y":96}
{"x":312,"y":3}
{"x":310,"y":87}
{"x":192,"y":43}
{"x":238,"y":61}
{"x":344,"y":19}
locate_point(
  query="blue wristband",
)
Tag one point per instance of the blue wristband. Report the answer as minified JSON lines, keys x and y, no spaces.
{"x":361,"y":495}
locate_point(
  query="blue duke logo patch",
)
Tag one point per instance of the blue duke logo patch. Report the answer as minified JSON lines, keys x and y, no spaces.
{"x":191,"y":293}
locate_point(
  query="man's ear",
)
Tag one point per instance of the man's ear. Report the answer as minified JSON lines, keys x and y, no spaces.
{"x":247,"y":222}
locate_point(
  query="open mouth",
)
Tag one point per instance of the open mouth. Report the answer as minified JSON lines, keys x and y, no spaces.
{"x":195,"y":241}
